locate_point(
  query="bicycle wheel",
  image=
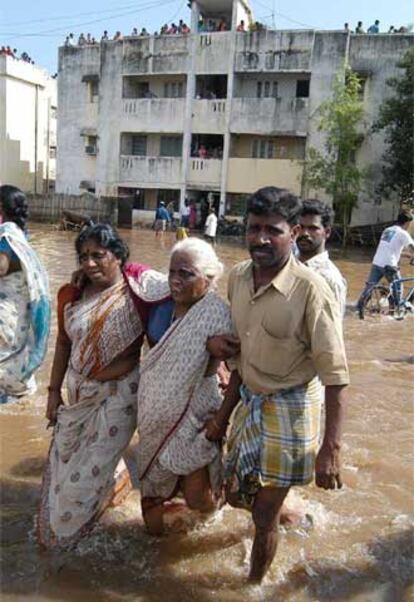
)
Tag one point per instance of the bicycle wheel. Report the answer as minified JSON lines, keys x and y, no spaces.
{"x":379,"y":302}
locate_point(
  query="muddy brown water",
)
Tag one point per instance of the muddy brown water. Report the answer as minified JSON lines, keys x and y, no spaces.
{"x":360,"y":548}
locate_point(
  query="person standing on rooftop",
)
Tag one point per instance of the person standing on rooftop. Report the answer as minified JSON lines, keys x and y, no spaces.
{"x":374,"y":28}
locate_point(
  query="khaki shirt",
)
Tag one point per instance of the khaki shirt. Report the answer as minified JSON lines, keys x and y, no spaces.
{"x":290,"y":330}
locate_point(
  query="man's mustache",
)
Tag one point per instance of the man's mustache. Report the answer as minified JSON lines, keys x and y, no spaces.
{"x":300,"y":238}
{"x":261,"y":248}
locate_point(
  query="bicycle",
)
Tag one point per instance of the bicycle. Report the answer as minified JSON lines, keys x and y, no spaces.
{"x":381,"y":300}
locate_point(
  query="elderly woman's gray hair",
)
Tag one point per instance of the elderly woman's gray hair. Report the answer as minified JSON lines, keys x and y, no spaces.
{"x":203,"y":255}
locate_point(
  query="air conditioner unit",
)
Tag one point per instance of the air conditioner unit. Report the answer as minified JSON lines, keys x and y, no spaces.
{"x":90,"y":150}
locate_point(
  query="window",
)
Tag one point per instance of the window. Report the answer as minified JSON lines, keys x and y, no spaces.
{"x":171,"y":146}
{"x":266,"y":89}
{"x":263,"y":149}
{"x":93,"y":91}
{"x":52,"y":152}
{"x":139,"y":145}
{"x":53,"y":112}
{"x":173,"y":90}
{"x":302,"y":88}
{"x":143,"y":89}
{"x":91,"y":145}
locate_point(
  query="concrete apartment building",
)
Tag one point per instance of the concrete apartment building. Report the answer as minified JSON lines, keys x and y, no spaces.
{"x":221,"y":114}
{"x":28,"y":101}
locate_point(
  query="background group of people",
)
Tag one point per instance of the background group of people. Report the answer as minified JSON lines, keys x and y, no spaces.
{"x":273,"y":345}
{"x":89,"y":40}
{"x":191,"y":217}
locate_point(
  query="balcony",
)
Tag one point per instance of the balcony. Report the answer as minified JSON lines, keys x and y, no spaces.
{"x":204,"y":173}
{"x":247,"y":175}
{"x":270,"y":116}
{"x":152,"y":172}
{"x":153,"y":114}
{"x":171,"y":54}
{"x":209,"y":116}
{"x":213,"y":52}
{"x":274,"y":51}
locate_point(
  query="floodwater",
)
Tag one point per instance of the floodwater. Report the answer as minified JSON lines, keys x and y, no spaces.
{"x":359,"y":550}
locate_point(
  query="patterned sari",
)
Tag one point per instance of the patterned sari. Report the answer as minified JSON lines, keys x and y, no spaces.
{"x":85,"y":472}
{"x":24,"y":315}
{"x":175,"y":398}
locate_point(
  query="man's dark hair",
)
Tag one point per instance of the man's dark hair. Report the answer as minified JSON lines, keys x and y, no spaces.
{"x":14,"y":205}
{"x":404,"y":217}
{"x":275,"y":201}
{"x":106,"y":237}
{"x":316,"y":207}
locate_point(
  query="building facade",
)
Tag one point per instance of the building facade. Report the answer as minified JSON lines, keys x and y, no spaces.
{"x":215,"y":114}
{"x":28,"y":105}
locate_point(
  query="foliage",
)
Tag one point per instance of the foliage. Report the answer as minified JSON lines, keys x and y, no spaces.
{"x":396,"y":117}
{"x":334,"y":170}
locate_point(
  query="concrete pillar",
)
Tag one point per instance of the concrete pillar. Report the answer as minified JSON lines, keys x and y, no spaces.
{"x":229,"y":101}
{"x":195,"y":14}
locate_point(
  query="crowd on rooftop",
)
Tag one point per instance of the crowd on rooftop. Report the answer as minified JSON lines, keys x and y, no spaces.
{"x":374,"y":28}
{"x":204,"y":26}
{"x":13,"y":53}
{"x":88,"y":40}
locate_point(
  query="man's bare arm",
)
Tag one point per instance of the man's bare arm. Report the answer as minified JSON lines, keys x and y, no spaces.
{"x":328,"y":474}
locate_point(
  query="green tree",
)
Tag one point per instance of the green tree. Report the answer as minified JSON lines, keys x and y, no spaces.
{"x":334,"y":170}
{"x":396,"y":118}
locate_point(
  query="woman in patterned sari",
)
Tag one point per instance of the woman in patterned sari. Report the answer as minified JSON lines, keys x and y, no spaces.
{"x":101,"y":330}
{"x":24,"y":300}
{"x":178,"y":389}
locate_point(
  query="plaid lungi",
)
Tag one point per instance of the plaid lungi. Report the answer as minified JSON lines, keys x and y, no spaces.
{"x":274,"y":438}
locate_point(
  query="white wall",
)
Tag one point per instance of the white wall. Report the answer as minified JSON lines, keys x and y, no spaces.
{"x":26,"y":94}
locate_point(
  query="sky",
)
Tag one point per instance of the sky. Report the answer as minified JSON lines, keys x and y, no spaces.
{"x":40,"y":27}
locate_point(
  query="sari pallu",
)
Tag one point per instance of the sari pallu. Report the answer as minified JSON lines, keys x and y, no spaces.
{"x":175,"y":399}
{"x":24,"y":315}
{"x":85,"y":471}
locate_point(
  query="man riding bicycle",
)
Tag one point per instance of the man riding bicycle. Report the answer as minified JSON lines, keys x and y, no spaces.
{"x":387,"y":258}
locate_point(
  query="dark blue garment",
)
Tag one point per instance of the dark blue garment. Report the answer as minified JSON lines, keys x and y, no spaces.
{"x":6,"y":249}
{"x":162,"y":213}
{"x":160,"y":319}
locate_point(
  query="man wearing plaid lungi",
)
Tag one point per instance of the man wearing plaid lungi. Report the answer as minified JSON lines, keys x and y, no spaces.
{"x":289,"y":329}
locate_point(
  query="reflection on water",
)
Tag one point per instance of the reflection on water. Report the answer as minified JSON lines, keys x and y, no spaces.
{"x":359,"y":550}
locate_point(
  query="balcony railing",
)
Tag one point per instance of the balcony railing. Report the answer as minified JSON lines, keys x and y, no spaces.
{"x":162,"y":172}
{"x":209,"y":116}
{"x":269,"y":116}
{"x":204,"y":172}
{"x":248,"y":175}
{"x":153,"y":114}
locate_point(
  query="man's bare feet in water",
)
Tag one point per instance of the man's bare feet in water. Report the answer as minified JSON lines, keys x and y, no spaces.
{"x":290,"y":517}
{"x":295,"y":518}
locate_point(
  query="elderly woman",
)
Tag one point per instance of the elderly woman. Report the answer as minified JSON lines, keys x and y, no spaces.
{"x":24,"y":296}
{"x":178,"y":388}
{"x":100,"y":333}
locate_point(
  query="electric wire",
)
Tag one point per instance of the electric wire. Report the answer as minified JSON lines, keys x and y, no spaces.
{"x":51,"y":32}
{"x":73,"y":16}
